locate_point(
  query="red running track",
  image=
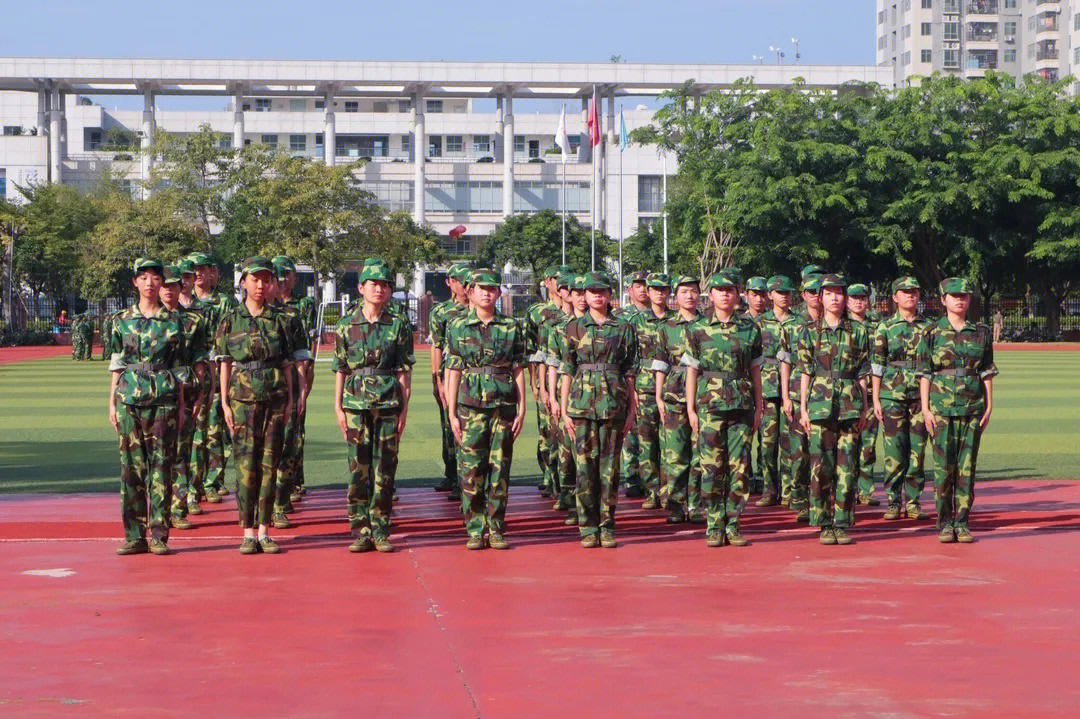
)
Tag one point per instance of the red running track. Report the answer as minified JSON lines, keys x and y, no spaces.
{"x":896,"y":625}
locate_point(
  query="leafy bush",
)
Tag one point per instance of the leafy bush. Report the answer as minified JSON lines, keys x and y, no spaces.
{"x":35,"y":333}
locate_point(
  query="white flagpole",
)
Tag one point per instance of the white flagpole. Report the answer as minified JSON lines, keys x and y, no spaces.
{"x":564,"y":150}
{"x":622,"y":237}
{"x":665,"y":213}
{"x":592,"y":176}
{"x":564,"y":212}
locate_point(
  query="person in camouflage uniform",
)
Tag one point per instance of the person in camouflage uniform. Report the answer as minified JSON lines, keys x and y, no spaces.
{"x":794,"y":444}
{"x":106,"y":331}
{"x":834,"y":359}
{"x":253,"y":344}
{"x":74,"y":332}
{"x":680,"y":463}
{"x":372,"y":365}
{"x":147,"y":352}
{"x":87,"y":331}
{"x":571,"y":289}
{"x":756,"y":298}
{"x":773,"y":426}
{"x":305,"y":308}
{"x":486,"y":391}
{"x":195,"y":356}
{"x":538,"y":318}
{"x":628,"y":457}
{"x":897,"y":405}
{"x":646,"y":423}
{"x":214,"y":305}
{"x":597,"y":399}
{"x":292,"y":452}
{"x":198,"y":458}
{"x":956,"y":370}
{"x":858,"y":310}
{"x":723,"y":404}
{"x":438,"y":317}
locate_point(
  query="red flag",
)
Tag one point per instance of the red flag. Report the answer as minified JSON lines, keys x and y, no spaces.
{"x":594,"y":122}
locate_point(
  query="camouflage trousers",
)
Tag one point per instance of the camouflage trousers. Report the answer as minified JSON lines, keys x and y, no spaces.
{"x":301,"y":440}
{"x":596,"y":451}
{"x":795,"y":456}
{"x":866,"y":455}
{"x":257,"y":448}
{"x":628,"y":462}
{"x":904,"y":445}
{"x":373,"y":457}
{"x":77,"y":349}
{"x":449,"y":449}
{"x":487,"y":447}
{"x":545,"y":446}
{"x":833,"y":456}
{"x":218,"y":447}
{"x":680,"y":461}
{"x":773,"y":426}
{"x":723,"y":438}
{"x":199,"y":455}
{"x":147,"y":453}
{"x":646,"y":431}
{"x":956,"y":449}
{"x":564,"y":463}
{"x":182,"y":463}
{"x":290,"y":454}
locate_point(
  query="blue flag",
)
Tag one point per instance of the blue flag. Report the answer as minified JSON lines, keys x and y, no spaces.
{"x":624,"y":139}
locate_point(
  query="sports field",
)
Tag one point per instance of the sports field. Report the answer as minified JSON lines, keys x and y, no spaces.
{"x":56,"y":437}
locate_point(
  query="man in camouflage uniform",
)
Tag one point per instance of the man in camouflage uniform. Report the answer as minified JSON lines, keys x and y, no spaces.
{"x":537,"y":319}
{"x":438,"y":317}
{"x":794,"y":444}
{"x":485,"y":358}
{"x":597,"y":398}
{"x":147,"y":355}
{"x":956,"y":370}
{"x":87,"y":329}
{"x":858,"y":310}
{"x":723,"y":404}
{"x":680,"y":465}
{"x":198,"y":458}
{"x":106,"y":331}
{"x":195,"y":356}
{"x":373,"y":359}
{"x":896,"y":400}
{"x":76,"y":335}
{"x":305,"y":308}
{"x":756,"y":297}
{"x":628,"y":457}
{"x":834,"y":359}
{"x":774,"y":424}
{"x":571,"y":290}
{"x":213,"y":304}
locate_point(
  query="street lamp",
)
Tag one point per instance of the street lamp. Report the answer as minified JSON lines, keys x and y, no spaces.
{"x":798,"y":55}
{"x":779,"y":54}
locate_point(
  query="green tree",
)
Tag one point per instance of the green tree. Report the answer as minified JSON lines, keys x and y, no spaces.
{"x":535,"y":241}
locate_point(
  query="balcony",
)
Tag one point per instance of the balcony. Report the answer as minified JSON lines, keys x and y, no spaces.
{"x":984,"y":60}
{"x":951,"y":7}
{"x":982,"y":32}
{"x":1046,"y":22}
{"x":1048,"y":53}
{"x":981,"y":7}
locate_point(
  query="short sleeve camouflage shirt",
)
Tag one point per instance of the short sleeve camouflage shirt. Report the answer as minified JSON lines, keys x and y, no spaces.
{"x":151,"y":355}
{"x":893,"y":356}
{"x":957,"y":363}
{"x":723,"y":353}
{"x":486,"y":354}
{"x":264,"y":340}
{"x":597,"y":358}
{"x":836,"y":358}
{"x":383,"y":348}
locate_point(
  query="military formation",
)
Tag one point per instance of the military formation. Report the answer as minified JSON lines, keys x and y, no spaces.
{"x":666,"y":397}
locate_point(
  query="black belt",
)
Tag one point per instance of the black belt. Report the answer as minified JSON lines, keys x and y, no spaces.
{"x":369,"y":371}
{"x":598,"y":367}
{"x":770,"y":360}
{"x":723,"y":375}
{"x":490,"y":370}
{"x":147,"y":367}
{"x":256,"y":364}
{"x":836,"y":374}
{"x":957,"y":372}
{"x":678,"y":368}
{"x":903,"y":365}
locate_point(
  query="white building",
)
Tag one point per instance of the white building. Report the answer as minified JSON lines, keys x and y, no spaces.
{"x":968,"y":37}
{"x":478,"y":166}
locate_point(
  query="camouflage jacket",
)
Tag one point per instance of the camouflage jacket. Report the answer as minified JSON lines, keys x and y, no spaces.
{"x":385,"y":346}
{"x":556,"y":340}
{"x":794,"y":327}
{"x":214,"y":307}
{"x":836,"y":358}
{"x":772,"y":334}
{"x":723,"y":353}
{"x":150,"y":353}
{"x":893,"y":356}
{"x":673,"y":334}
{"x":438,"y":320}
{"x":265,"y":340}
{"x":495,"y":348}
{"x":598,"y":358}
{"x":956,"y":363}
{"x":196,"y":346}
{"x":298,"y":339}
{"x":539,"y":320}
{"x":647,"y":327}
{"x":306,"y":311}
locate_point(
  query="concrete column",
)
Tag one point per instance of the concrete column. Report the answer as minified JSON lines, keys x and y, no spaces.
{"x":585,"y":149}
{"x":330,"y":290}
{"x":148,"y":127}
{"x":496,"y":149}
{"x":508,"y":156}
{"x":55,"y":161}
{"x":330,"y":132}
{"x":238,"y":122}
{"x":419,"y":157}
{"x":42,"y":113}
{"x":63,"y":125}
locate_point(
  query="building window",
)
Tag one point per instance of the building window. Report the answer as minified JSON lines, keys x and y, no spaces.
{"x":575,"y":142}
{"x":907,"y":5}
{"x":481,"y":143}
{"x":905,"y":32}
{"x":433,"y":106}
{"x":3,"y":183}
{"x":1010,"y":4}
{"x":926,"y":56}
{"x":950,"y":31}
{"x":906,"y":58}
{"x":1076,"y":56}
{"x":11,"y":130}
{"x":406,"y":144}
{"x":404,"y":105}
{"x":1008,"y":56}
{"x":1010,"y":29}
{"x":927,"y":4}
{"x":646,"y":223}
{"x":297,"y":105}
{"x":950,"y":58}
{"x":262,"y":104}
{"x":455,"y":143}
{"x":270,"y":140}
{"x":224,"y":142}
{"x":650,"y":193}
{"x":434,"y":145}
{"x":320,"y":104}
{"x":1031,"y":22}
{"x":1031,"y":50}
{"x":318,"y":141}
{"x":1076,"y":21}
{"x":880,"y":17}
{"x":297,"y":143}
{"x":519,"y":143}
{"x":924,"y":29}
{"x":380,"y":107}
{"x":352,"y":106}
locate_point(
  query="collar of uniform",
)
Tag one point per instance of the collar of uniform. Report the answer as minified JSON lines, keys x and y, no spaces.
{"x":680,"y":320}
{"x":898,"y":318}
{"x":161,"y":314}
{"x":843,"y":324}
{"x":714,"y":319}
{"x":268,"y":308}
{"x":474,"y":319}
{"x":944,"y":324}
{"x":588,"y":319}
{"x":358,"y":318}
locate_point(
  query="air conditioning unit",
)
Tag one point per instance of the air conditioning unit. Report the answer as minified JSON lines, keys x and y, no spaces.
{"x":1011,"y":39}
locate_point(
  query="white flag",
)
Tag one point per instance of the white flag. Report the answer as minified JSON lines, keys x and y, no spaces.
{"x":560,"y":135}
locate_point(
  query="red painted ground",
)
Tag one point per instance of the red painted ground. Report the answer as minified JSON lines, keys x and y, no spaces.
{"x":895,"y":626}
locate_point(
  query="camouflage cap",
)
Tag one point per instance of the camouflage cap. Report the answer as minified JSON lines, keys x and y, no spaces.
{"x":639,"y":276}
{"x":757,"y":284}
{"x":171,"y":275}
{"x":486,"y":277}
{"x":812,"y":270}
{"x":658,"y":280}
{"x":257,"y":263}
{"x":145,"y":264}
{"x":679,"y":280}
{"x":465,"y":275}
{"x":905,"y":283}
{"x":858,"y":290}
{"x":812,"y":283}
{"x":832,"y":280}
{"x":563,"y":280}
{"x":598,"y":281}
{"x":551,"y":273}
{"x":376,"y":272}
{"x":723,"y":278}
{"x":577,"y":282}
{"x":368,"y":261}
{"x":284,"y":265}
{"x":201,"y":259}
{"x":955,"y":286}
{"x":186,"y":266}
{"x":781,"y":283}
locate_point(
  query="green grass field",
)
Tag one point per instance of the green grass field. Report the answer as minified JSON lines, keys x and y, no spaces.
{"x":55,"y":436}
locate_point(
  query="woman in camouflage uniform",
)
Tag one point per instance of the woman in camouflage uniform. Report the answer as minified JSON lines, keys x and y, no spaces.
{"x":253,"y":344}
